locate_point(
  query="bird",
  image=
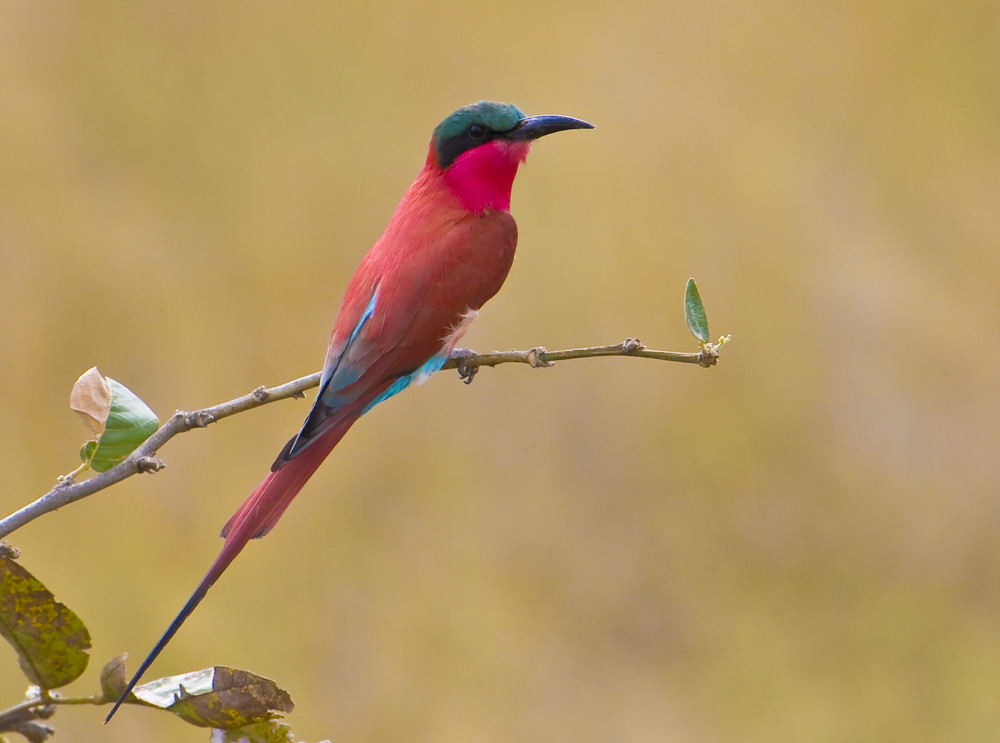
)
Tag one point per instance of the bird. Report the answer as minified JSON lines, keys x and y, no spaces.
{"x":446,"y":250}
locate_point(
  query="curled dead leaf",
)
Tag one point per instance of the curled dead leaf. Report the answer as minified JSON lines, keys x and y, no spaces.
{"x":91,"y":400}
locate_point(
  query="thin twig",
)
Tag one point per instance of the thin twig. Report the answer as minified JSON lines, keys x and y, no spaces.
{"x":143,"y":459}
{"x":23,"y":718}
{"x":539,"y":356}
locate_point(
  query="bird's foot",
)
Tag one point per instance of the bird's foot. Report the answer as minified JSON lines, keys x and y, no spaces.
{"x":466,"y":372}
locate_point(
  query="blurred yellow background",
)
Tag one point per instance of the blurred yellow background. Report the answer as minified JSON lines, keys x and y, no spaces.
{"x":799,"y":545}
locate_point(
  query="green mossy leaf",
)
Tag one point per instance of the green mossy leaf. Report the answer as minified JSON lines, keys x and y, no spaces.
{"x":219,"y":697}
{"x":694,"y":312}
{"x":265,"y":731}
{"x":51,"y":641}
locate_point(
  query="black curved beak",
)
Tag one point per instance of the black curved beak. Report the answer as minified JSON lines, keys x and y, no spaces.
{"x":533,"y":127}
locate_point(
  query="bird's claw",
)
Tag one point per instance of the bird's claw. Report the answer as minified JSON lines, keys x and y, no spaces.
{"x":466,"y":372}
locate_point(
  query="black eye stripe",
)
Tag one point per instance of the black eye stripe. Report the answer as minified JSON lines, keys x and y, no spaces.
{"x":473,"y":136}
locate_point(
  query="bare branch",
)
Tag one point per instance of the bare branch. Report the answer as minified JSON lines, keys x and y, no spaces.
{"x":540,"y":357}
{"x":23,"y":718}
{"x":143,"y":459}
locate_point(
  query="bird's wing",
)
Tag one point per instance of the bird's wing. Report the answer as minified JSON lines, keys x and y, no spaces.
{"x":399,"y":308}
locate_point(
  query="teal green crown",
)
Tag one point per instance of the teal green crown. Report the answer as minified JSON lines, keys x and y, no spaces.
{"x":472,"y":126}
{"x":497,"y":117}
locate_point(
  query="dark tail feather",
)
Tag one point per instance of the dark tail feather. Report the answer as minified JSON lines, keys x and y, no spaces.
{"x":254,"y":518}
{"x":221,"y":563}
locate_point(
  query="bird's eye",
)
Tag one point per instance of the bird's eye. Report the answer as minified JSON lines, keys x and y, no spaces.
{"x":476,"y":131}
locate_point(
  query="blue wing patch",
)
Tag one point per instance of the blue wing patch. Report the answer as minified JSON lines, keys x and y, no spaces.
{"x":340,"y":375}
{"x":336,"y":376}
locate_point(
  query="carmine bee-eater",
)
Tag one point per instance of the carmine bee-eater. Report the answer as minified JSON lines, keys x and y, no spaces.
{"x":446,"y":250}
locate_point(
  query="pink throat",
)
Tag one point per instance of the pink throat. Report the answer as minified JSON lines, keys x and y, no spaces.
{"x":482,"y":178}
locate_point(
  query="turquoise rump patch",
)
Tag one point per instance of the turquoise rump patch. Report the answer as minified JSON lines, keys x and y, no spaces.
{"x":433,"y":364}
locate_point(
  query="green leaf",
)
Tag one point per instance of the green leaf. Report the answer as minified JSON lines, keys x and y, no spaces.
{"x":119,"y":420}
{"x":218,"y":697}
{"x":51,"y":641}
{"x":694,"y":312}
{"x":87,"y":451}
{"x":265,"y":731}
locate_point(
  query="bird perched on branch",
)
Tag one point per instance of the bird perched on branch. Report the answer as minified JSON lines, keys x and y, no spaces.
{"x":446,"y":250}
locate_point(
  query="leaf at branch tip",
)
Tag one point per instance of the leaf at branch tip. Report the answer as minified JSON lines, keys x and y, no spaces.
{"x":51,"y":641}
{"x":113,"y":678}
{"x":118,"y":420}
{"x":218,"y":697}
{"x":694,"y":312}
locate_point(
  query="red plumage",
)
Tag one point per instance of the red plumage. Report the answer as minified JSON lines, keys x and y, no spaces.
{"x":446,"y":250}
